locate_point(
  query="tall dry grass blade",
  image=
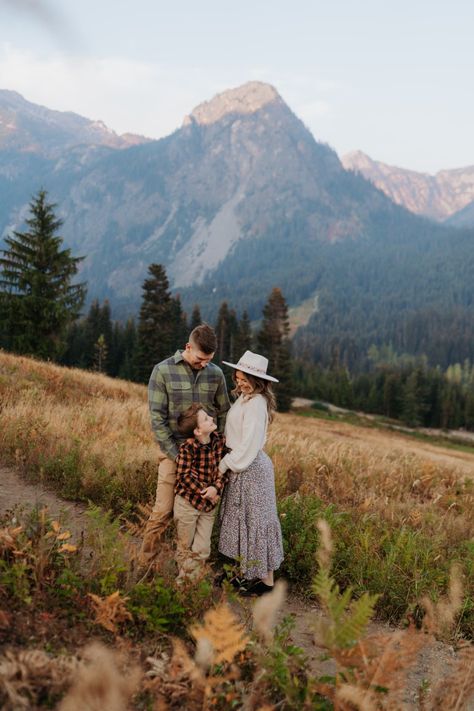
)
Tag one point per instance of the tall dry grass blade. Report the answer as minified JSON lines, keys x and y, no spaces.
{"x":440,"y":617}
{"x":325,"y":548}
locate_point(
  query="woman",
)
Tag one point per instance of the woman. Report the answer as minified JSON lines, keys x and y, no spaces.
{"x":250,"y":530}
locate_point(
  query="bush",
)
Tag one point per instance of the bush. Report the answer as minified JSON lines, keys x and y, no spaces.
{"x":156,"y":606}
{"x":298,"y":516}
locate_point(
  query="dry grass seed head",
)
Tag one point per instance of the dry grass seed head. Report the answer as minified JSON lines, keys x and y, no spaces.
{"x":102,"y":684}
{"x":440,"y":617}
{"x":265,"y":611}
{"x":324,"y":554}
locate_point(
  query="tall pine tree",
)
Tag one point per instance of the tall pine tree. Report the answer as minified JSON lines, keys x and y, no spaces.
{"x":243,"y":337}
{"x":37,"y":297}
{"x":196,"y":319}
{"x":160,"y":322}
{"x":274,"y":343}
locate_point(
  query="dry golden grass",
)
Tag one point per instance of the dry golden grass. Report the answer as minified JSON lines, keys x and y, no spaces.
{"x":49,"y":412}
{"x":92,"y":433}
{"x":399,"y":486}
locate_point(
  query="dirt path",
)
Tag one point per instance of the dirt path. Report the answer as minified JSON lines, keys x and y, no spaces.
{"x":434,"y":662}
{"x":14,"y":491}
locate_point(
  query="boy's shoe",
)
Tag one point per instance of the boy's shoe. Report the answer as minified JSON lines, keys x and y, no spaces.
{"x":256,"y":589}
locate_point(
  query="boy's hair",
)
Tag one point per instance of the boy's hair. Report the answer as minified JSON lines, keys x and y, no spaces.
{"x":204,"y":337}
{"x":188,"y":420}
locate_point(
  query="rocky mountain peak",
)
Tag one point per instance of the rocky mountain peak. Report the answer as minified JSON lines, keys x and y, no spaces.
{"x":245,"y":99}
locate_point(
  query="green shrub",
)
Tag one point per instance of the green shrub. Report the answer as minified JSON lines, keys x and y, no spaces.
{"x":156,"y":606}
{"x":298,"y":517}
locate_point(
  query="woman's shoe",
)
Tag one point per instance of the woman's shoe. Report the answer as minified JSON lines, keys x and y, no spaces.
{"x":235,"y":581}
{"x":258,"y":588}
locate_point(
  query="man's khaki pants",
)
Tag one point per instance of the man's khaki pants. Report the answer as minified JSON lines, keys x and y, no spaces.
{"x":193,"y":529}
{"x":162,"y":510}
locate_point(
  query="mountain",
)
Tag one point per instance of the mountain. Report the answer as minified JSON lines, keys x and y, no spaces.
{"x":240,"y":199}
{"x":29,"y":128}
{"x":437,"y":196}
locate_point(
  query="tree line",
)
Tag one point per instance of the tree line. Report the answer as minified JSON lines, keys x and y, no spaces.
{"x":403,"y":388}
{"x":40,"y":314}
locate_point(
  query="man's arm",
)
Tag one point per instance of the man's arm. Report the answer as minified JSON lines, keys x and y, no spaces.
{"x":222,"y":403}
{"x":159,"y":404}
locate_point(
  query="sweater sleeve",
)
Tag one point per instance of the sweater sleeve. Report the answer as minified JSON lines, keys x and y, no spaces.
{"x":254,"y":428}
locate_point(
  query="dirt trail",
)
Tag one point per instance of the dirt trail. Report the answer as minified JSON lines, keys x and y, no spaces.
{"x":14,"y":491}
{"x":434,"y":662}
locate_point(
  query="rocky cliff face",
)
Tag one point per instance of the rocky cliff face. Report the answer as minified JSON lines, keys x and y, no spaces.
{"x":436,"y":196}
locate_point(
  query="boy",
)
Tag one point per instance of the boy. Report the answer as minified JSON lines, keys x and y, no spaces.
{"x":199,"y":485}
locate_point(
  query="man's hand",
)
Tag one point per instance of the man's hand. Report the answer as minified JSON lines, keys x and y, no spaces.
{"x":210,"y":492}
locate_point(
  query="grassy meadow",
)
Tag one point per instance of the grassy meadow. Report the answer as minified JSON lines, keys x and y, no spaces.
{"x":399,"y":512}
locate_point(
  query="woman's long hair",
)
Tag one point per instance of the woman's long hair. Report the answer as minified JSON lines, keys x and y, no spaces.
{"x":260,"y":387}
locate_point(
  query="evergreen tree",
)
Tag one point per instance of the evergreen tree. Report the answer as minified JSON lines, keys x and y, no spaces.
{"x":157,"y":326}
{"x":92,"y":329}
{"x":195,"y":318}
{"x":74,"y":353}
{"x":412,"y":402}
{"x":226,"y":331}
{"x":180,"y":324}
{"x":128,"y":368}
{"x":243,"y":337}
{"x":37,"y":297}
{"x":273,"y":342}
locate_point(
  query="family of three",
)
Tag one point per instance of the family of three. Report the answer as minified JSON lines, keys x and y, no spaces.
{"x":214,"y":452}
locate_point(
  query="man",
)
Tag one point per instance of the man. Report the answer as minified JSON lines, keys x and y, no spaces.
{"x":176,"y":383}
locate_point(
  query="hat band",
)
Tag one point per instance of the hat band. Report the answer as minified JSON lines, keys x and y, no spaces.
{"x":252,"y":367}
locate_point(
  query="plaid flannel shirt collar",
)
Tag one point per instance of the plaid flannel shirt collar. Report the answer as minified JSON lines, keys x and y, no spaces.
{"x":178,"y":357}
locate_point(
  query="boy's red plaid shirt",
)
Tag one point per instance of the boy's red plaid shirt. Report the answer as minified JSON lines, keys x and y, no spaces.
{"x":197,"y":468}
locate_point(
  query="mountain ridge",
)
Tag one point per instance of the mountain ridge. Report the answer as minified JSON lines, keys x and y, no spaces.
{"x":439,"y":196}
{"x":35,"y":128}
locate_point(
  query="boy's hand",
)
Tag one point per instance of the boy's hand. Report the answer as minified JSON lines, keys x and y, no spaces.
{"x":210,"y":492}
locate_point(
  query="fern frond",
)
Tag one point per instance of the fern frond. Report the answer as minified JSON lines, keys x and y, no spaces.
{"x":353,"y":624}
{"x":224,"y":632}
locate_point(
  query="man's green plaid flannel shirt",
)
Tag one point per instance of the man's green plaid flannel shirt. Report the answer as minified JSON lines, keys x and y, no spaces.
{"x":173,"y":387}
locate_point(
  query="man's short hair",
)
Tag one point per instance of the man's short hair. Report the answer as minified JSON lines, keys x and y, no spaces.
{"x":204,"y":338}
{"x":188,"y":420}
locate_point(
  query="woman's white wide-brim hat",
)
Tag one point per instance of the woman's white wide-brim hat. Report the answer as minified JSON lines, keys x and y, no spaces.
{"x":253,"y":364}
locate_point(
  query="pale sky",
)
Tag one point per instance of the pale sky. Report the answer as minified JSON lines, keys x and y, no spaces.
{"x":393,"y":79}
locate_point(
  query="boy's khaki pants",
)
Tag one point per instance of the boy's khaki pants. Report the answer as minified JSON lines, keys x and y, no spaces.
{"x":193,"y":529}
{"x":162,"y":509}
